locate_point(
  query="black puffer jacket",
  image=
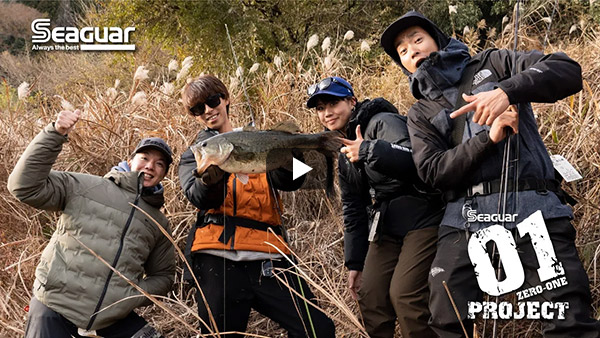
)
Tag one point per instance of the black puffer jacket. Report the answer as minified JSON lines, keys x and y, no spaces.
{"x":386,"y":174}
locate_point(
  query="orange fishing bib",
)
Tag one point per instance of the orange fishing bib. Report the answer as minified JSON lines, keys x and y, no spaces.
{"x":242,"y":221}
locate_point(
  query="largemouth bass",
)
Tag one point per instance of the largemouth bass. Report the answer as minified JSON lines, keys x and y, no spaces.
{"x":258,"y":151}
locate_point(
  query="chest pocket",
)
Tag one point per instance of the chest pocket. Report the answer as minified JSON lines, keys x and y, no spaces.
{"x":472,"y":127}
{"x":484,"y":80}
{"x":443,"y":123}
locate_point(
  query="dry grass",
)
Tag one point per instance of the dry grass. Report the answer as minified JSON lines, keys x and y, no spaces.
{"x":112,"y":124}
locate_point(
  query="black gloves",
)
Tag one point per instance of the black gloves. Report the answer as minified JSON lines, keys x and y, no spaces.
{"x":212,"y":175}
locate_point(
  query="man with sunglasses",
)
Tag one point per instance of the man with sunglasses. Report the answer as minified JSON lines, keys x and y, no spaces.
{"x":237,"y":239}
{"x":388,"y":256}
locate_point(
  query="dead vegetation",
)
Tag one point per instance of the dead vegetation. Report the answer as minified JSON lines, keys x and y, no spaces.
{"x":116,"y":115}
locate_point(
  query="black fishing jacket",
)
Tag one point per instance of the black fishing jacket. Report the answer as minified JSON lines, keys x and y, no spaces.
{"x":538,"y":78}
{"x":383,"y":179}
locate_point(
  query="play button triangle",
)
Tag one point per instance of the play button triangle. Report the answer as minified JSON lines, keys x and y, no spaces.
{"x":299,"y":168}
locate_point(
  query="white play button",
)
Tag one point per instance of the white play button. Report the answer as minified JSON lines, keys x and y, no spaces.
{"x":299,"y":168}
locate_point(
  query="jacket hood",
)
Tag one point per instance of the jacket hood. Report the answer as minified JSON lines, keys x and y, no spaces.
{"x":439,"y":71}
{"x":411,"y":18}
{"x":131,"y":180}
{"x":364,"y":111}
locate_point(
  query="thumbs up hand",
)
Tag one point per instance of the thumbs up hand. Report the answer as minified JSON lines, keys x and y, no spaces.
{"x":65,"y":121}
{"x":352,"y":147}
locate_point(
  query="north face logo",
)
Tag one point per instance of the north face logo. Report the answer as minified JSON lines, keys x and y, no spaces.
{"x":480,"y":76}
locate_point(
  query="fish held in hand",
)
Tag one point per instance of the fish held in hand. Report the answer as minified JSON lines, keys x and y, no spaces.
{"x":257,"y":151}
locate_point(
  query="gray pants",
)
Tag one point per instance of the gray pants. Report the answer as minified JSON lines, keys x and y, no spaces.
{"x":452,"y":264}
{"x":43,"y":322}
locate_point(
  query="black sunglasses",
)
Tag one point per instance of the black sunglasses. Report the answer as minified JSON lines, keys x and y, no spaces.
{"x":324,"y":84}
{"x":212,"y":101}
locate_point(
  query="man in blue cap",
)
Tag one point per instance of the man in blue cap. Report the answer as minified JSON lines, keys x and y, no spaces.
{"x":388,"y":254}
{"x":458,"y":147}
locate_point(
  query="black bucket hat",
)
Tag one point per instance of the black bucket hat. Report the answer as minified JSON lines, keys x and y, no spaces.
{"x":412,"y":18}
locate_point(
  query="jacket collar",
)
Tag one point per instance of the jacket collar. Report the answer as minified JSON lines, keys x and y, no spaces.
{"x":130,"y":181}
{"x":364,"y":111}
{"x":440,"y":71}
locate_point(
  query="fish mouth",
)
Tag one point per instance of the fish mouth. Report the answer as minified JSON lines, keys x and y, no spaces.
{"x":203,"y":165}
{"x":201,"y":160}
{"x":420,"y":61}
{"x":205,"y":160}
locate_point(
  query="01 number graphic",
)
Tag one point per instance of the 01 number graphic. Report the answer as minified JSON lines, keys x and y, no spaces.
{"x":533,"y":225}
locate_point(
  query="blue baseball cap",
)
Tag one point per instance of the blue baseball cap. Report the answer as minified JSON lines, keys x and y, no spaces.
{"x":334,"y":86}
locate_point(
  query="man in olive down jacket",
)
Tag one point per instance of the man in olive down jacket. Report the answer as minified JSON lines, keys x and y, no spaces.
{"x":71,"y":284}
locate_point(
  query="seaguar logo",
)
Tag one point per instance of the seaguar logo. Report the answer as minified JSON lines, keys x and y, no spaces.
{"x":73,"y":38}
{"x":473,"y":216}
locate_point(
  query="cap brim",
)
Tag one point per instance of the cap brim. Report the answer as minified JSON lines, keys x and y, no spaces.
{"x":167,"y":156}
{"x":312,"y":101}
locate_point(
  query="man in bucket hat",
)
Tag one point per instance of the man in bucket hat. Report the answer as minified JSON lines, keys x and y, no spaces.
{"x":74,"y":292}
{"x":458,"y":143}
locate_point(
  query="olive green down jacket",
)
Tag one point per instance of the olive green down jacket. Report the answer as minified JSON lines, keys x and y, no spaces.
{"x":95,"y":211}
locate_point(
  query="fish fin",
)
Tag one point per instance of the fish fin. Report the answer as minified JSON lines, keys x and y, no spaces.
{"x":242,"y":178}
{"x":287,"y":126}
{"x":249,"y":128}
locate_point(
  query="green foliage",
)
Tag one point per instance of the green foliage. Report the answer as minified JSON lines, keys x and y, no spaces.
{"x":48,"y":7}
{"x":259,"y":28}
{"x":11,"y":43}
{"x":63,"y":12}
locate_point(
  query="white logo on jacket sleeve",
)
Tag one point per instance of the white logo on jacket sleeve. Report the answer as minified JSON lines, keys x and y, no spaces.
{"x":480,"y":76}
{"x":399,"y":147}
{"x":435,"y":271}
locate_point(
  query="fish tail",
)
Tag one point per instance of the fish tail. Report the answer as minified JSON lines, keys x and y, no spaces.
{"x":330,"y":142}
{"x":329,"y":177}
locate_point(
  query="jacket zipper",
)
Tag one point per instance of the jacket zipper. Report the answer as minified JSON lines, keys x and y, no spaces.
{"x":118,"y":255}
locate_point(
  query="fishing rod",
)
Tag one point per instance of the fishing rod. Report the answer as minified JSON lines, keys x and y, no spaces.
{"x":276,"y":196}
{"x":507,"y":162}
{"x":241,"y":75}
{"x":549,"y":25}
